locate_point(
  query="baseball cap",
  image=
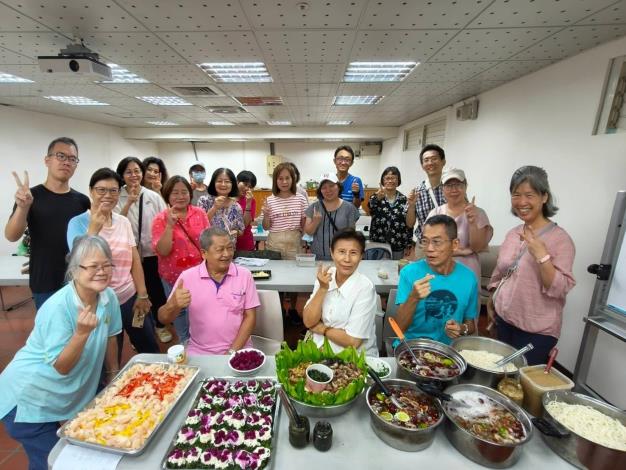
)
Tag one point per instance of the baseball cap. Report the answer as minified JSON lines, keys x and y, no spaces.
{"x":328,"y":176}
{"x":452,"y":174}
{"x":198,"y":163}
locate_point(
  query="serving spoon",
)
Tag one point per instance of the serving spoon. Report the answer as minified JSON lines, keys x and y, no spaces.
{"x":517,"y":353}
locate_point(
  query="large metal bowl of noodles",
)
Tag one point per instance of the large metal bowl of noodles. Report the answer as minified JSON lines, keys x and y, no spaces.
{"x":441,"y":375}
{"x":576,"y":449}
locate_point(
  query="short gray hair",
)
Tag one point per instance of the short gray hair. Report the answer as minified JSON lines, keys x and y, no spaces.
{"x":206,"y":238}
{"x":537,"y":178}
{"x":82,"y":247}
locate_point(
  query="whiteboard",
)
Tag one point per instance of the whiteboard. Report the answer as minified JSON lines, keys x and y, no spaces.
{"x":616,"y":300}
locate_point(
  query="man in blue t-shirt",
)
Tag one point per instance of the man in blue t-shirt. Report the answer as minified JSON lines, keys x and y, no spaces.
{"x":437,"y":297}
{"x":351,"y":186}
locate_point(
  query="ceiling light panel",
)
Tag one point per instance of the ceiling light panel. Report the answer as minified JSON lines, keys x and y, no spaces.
{"x":220,"y":123}
{"x":8,"y":78}
{"x":162,"y":123}
{"x":242,"y":72}
{"x":122,"y":75}
{"x":164,"y":100}
{"x":378,"y":71}
{"x":356,"y":100}
{"x":279,"y":123}
{"x":77,"y":100}
{"x":339,"y":123}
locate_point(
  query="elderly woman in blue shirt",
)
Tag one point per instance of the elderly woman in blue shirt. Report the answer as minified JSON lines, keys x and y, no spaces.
{"x":58,"y":370}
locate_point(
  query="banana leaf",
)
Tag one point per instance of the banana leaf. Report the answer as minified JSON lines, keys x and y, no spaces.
{"x":307,"y":351}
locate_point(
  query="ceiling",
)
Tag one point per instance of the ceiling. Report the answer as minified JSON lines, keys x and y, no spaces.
{"x":464,"y":47}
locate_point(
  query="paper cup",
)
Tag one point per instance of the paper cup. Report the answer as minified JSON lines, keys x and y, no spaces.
{"x":176,"y":354}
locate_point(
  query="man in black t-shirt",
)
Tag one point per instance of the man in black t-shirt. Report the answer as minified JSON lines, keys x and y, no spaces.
{"x":46,"y":210}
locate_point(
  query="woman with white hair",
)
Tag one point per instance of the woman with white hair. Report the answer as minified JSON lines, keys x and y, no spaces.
{"x":57,"y":372}
{"x":533,"y":273}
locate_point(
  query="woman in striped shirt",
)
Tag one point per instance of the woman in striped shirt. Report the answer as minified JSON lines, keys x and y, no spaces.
{"x":283,"y":213}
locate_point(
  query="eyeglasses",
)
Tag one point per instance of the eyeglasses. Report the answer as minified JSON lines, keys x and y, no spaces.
{"x":431,"y":160}
{"x":343,"y":159}
{"x":132,"y":172}
{"x":390,"y":178}
{"x":454,"y":185}
{"x":93,"y":269}
{"x":100,"y":191}
{"x":60,"y":156}
{"x":435,"y":242}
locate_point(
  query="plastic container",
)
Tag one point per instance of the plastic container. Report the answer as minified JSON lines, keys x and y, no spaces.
{"x":306,"y":260}
{"x":533,"y":391}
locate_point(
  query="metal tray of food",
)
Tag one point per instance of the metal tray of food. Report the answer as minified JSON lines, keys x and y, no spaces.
{"x":261,"y":274}
{"x":274,"y":413}
{"x":61,"y":432}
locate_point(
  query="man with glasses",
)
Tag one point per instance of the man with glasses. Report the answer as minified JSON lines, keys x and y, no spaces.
{"x":221,"y":298}
{"x":437,"y":296}
{"x":351,"y":186}
{"x":429,"y":194}
{"x":46,"y":210}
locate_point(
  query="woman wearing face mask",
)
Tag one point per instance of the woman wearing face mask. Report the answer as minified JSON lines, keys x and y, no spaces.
{"x":140,"y":206}
{"x":176,"y":240}
{"x":197,"y":174}
{"x":57,"y":372}
{"x":155,"y":174}
{"x":328,"y":215}
{"x":343,"y":303}
{"x":221,"y":204}
{"x":473,"y":228}
{"x":388,"y":210}
{"x":533,"y":272}
{"x":127,"y":280}
{"x":246,"y":181}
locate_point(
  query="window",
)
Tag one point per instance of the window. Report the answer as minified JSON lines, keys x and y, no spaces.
{"x":431,"y":133}
{"x":612,"y":114}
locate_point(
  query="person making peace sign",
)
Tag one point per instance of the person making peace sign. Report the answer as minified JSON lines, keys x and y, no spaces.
{"x":46,"y":210}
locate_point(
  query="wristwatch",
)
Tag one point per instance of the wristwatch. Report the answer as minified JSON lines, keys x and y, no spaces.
{"x":465,"y":329}
{"x":545,"y":259}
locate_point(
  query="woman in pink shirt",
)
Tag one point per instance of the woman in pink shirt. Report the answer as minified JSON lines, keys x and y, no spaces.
{"x":176,"y":240}
{"x":533,"y":273}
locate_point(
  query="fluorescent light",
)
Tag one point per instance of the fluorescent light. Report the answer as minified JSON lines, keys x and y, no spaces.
{"x":356,"y":100}
{"x":338,"y":123}
{"x":77,"y":100}
{"x":378,"y":71}
{"x":161,"y":123}
{"x":238,"y":140}
{"x":279,"y":123}
{"x":8,"y":78}
{"x":165,"y":100}
{"x":237,"y":72}
{"x":220,"y":123}
{"x":121,"y":75}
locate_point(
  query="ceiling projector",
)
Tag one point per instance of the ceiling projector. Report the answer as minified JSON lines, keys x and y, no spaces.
{"x":76,"y":59}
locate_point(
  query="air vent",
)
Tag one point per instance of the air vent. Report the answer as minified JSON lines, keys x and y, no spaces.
{"x":260,"y":100}
{"x":225,"y":109}
{"x":194,"y":90}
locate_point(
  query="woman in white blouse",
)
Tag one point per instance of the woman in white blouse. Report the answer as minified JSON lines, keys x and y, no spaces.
{"x":342,"y":306}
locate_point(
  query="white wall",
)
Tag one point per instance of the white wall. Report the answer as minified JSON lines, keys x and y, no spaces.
{"x":544,"y":119}
{"x":311,"y":158}
{"x":24,"y":139}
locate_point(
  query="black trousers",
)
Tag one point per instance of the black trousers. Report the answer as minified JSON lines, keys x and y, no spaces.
{"x":154,"y":286}
{"x":517,"y":338}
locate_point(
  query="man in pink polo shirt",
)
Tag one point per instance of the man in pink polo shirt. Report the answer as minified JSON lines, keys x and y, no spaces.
{"x":220,"y":296}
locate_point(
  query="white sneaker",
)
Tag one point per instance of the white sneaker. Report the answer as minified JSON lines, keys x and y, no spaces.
{"x":164,"y":335}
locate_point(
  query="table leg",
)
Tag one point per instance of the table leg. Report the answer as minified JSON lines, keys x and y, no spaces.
{"x":14,"y":306}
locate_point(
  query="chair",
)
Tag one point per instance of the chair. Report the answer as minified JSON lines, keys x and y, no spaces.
{"x":377,"y":251}
{"x":487,"y":265}
{"x":268,"y":331}
{"x":388,"y":336}
{"x":379,"y":321}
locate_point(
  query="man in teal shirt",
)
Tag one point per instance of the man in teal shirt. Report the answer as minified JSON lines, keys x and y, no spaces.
{"x":437,"y":297}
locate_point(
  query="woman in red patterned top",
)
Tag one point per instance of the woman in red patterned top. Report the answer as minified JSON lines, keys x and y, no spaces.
{"x":176,"y":240}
